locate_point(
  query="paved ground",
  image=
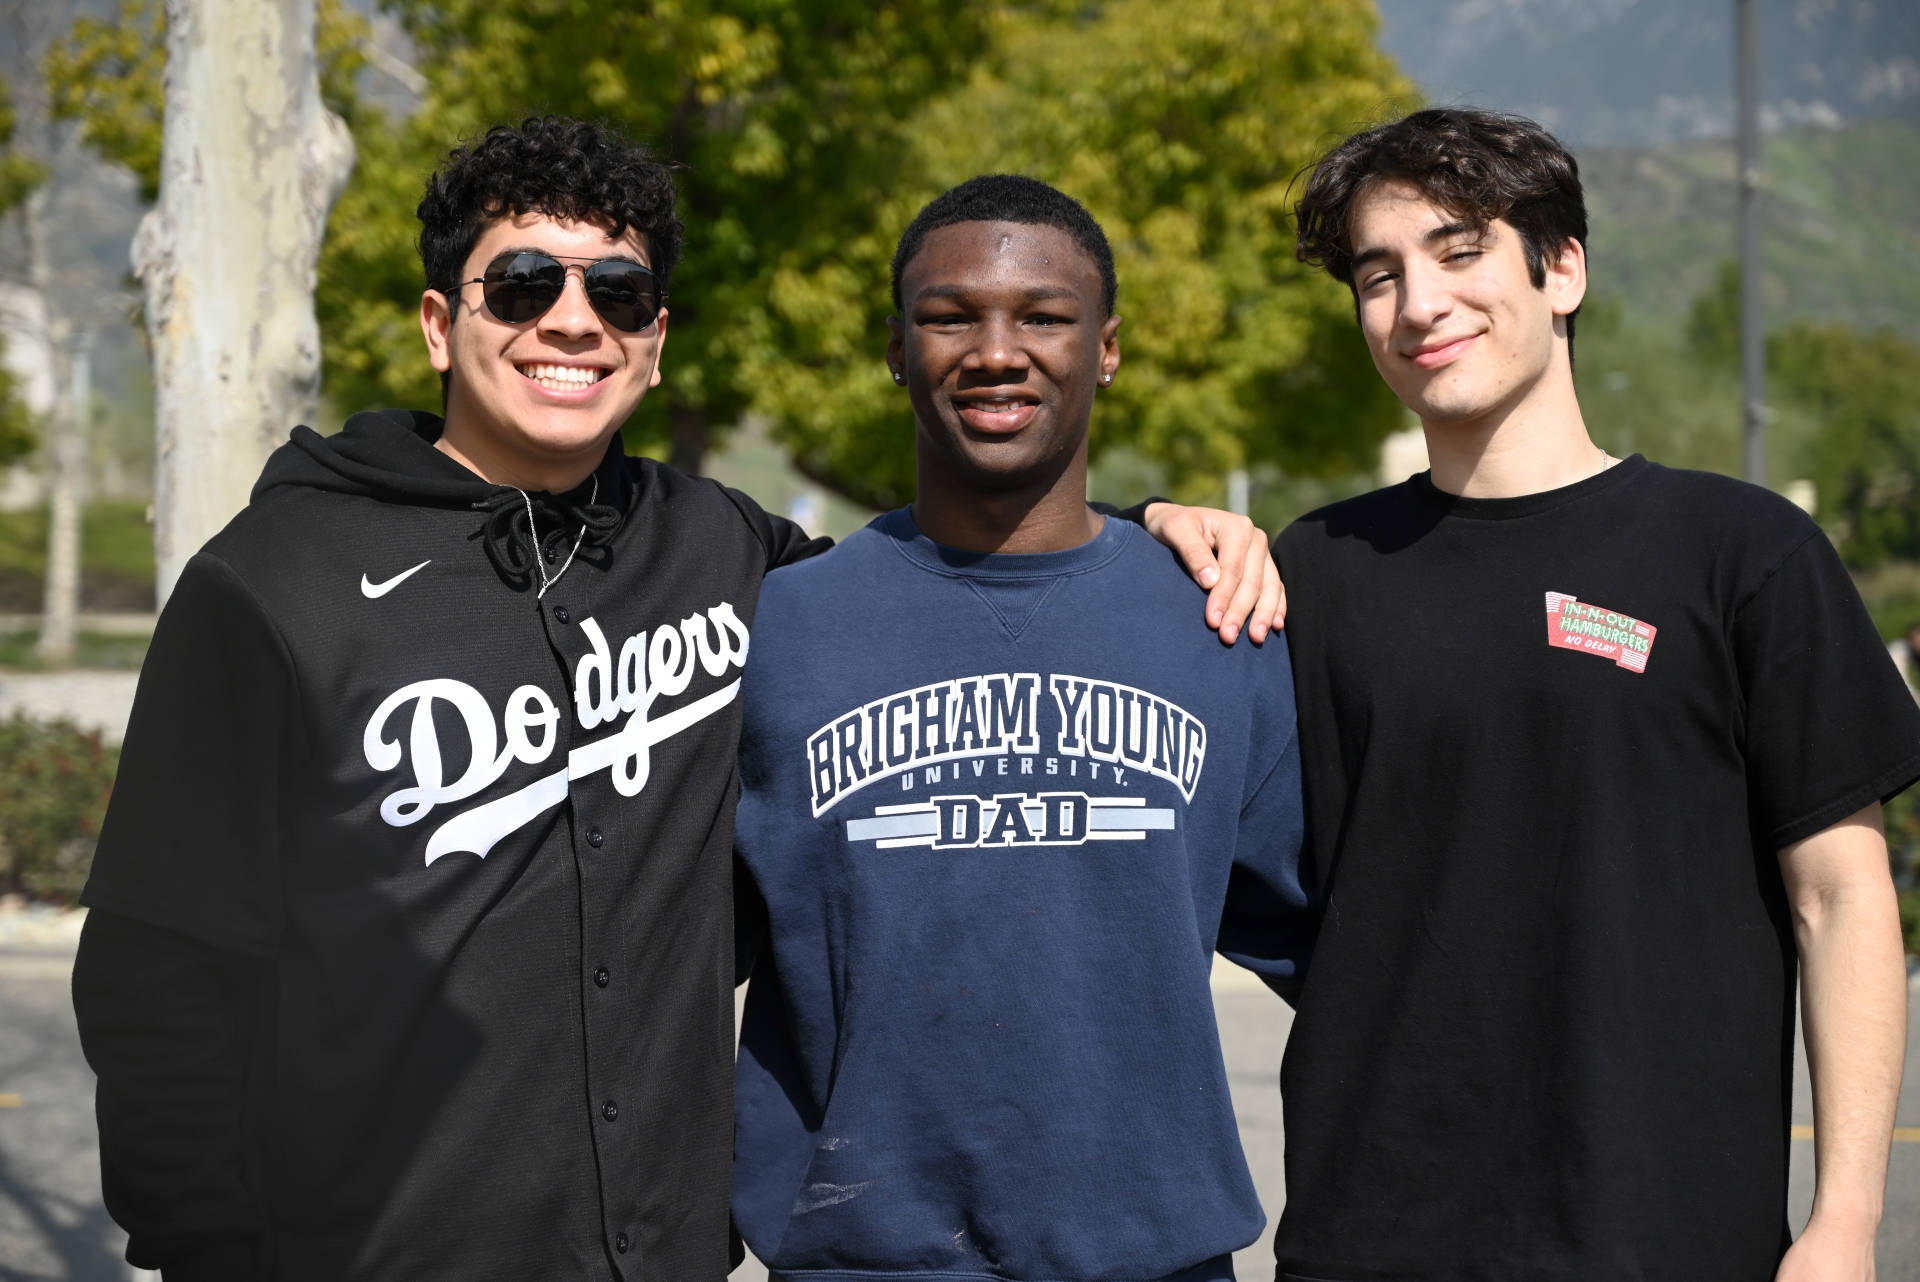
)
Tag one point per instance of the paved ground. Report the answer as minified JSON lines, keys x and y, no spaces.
{"x":93,"y":700}
{"x":52,"y":1226}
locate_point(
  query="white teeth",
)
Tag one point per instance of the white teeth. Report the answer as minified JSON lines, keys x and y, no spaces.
{"x":563,"y":378}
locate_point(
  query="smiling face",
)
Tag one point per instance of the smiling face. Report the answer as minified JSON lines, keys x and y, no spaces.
{"x":1004,"y":339}
{"x":533,"y":404}
{"x":1456,"y":325}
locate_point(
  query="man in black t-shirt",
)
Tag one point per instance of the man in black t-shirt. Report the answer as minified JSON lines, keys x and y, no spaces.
{"x":1594,"y":754}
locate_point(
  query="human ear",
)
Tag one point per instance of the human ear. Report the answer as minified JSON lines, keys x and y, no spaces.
{"x":436,"y":326}
{"x":1109,"y":350}
{"x":1566,"y":283}
{"x":897,"y":349}
{"x":659,"y":342}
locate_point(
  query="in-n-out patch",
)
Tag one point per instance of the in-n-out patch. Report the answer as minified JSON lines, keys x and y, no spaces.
{"x":1574,"y":625}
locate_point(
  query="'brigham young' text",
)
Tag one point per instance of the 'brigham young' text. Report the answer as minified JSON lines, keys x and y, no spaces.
{"x":998,"y":714}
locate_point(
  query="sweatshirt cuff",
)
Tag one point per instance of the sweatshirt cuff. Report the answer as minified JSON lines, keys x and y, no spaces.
{"x":1137,"y":514}
{"x":216,"y":1262}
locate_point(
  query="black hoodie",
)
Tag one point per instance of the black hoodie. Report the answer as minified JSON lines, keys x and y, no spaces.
{"x":412,"y":951}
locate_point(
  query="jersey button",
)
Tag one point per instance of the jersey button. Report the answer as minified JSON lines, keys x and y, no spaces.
{"x":601,"y":977}
{"x":620,"y":1244}
{"x":594,"y":838}
{"x":560,"y":613}
{"x":610,"y":1111}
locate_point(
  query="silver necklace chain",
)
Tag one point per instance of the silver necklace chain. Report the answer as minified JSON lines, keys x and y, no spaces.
{"x":533,"y":532}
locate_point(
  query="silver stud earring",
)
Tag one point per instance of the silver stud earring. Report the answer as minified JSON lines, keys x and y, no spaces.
{"x":898,"y":377}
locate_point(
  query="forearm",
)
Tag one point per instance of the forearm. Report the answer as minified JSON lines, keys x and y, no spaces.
{"x":1854,"y":1007}
{"x":167,"y":1025}
{"x":1854,"y":1003}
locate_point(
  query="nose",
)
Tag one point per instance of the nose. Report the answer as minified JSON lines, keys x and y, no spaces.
{"x":1424,"y":297}
{"x":997,"y":350}
{"x":573,"y":316}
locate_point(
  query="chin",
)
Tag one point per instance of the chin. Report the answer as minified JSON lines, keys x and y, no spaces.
{"x":1453,"y":404}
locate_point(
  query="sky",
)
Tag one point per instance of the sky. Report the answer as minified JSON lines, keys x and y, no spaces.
{"x":1643,"y":72}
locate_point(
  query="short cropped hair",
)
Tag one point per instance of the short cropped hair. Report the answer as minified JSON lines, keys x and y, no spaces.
{"x":1476,"y":165}
{"x":1009,"y":198}
{"x":548,"y":165}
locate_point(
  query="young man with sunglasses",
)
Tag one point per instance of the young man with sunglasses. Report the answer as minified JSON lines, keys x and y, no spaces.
{"x":1000,"y":804}
{"x":1594,"y":754}
{"x":411,"y":950}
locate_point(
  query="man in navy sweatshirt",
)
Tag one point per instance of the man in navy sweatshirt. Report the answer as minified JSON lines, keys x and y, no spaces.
{"x":1001,"y":802}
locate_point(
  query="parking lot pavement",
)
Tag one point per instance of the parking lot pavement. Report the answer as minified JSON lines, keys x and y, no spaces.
{"x":52,"y":1225}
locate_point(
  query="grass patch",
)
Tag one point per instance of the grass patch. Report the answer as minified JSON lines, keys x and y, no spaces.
{"x":116,"y":558}
{"x":90,"y":650}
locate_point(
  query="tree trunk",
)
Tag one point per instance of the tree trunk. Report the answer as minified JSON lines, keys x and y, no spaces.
{"x":66,"y":455}
{"x":692,"y":436}
{"x":59,"y":600}
{"x":251,"y":162}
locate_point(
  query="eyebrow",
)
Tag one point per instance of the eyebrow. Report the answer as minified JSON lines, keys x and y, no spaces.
{"x":1032,"y":294}
{"x":573,"y":258}
{"x":1446,"y":231}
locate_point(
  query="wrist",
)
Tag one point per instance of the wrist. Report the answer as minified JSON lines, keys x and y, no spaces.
{"x":1848,"y":1220}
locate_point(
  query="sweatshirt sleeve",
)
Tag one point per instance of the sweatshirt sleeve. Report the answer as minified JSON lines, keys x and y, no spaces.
{"x":1137,"y":514}
{"x":191,"y":840}
{"x":1271,"y":915}
{"x":166,"y":1023}
{"x":784,"y":541}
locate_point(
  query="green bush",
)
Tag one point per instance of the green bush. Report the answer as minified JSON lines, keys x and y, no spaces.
{"x":1910,"y":919}
{"x":55,"y":779}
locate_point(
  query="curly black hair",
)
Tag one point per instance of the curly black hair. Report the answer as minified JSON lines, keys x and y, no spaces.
{"x":545,"y":165}
{"x":1009,"y":198}
{"x":1477,"y":165}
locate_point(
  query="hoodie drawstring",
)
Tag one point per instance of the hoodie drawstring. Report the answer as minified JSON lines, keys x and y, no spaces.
{"x":513,"y":542}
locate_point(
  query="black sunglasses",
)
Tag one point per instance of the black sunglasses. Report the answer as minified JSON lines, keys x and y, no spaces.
{"x":522,"y":286}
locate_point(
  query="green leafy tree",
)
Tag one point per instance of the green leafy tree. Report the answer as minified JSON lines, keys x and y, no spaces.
{"x":110,"y":75}
{"x":1182,"y":128}
{"x":19,"y":176}
{"x":783,"y":117}
{"x":1713,"y":325}
{"x":1862,"y":392}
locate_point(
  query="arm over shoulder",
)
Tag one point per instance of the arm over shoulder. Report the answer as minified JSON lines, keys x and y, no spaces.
{"x":784,"y":541}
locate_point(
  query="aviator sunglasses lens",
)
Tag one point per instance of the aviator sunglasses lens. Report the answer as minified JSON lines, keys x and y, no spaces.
{"x":522,"y":287}
{"x":626,"y":295}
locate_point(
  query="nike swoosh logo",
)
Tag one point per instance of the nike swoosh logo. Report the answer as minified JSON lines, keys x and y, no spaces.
{"x":374,"y":591}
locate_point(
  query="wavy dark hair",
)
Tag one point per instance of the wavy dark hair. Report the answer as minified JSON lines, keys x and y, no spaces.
{"x":549,"y":165}
{"x":1476,"y":165}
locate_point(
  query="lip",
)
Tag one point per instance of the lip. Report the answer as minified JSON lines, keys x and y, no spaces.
{"x":996,"y":422}
{"x":1443,"y":354}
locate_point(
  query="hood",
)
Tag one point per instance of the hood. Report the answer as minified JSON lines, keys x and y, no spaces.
{"x":390,"y":455}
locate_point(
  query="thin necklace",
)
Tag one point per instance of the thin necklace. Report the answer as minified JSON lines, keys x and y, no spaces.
{"x":533,"y":532}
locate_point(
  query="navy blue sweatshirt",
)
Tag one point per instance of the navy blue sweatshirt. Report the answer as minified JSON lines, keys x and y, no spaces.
{"x":1000,"y":811}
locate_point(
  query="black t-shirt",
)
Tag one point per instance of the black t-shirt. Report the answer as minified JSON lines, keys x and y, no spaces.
{"x":1552,"y":745}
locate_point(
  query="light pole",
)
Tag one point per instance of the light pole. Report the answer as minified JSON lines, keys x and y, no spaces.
{"x":1753,"y":339}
